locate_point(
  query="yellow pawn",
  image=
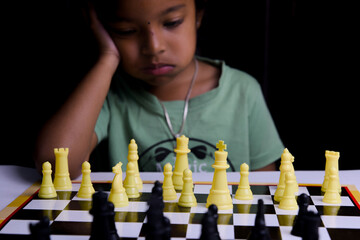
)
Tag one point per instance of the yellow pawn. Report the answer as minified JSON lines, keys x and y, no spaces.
{"x":130,"y":183}
{"x":181,"y":161}
{"x":86,"y":188}
{"x":187,"y":197}
{"x":288,"y":200}
{"x":332,"y":194}
{"x":47,"y":189}
{"x":244,"y":192}
{"x":117,"y":193}
{"x":134,"y":157}
{"x":169,"y":192}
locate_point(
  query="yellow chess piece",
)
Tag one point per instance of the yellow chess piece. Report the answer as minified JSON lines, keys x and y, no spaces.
{"x":187,"y":197}
{"x":244,"y":192}
{"x":130,"y":182}
{"x":86,"y":188}
{"x":332,"y":194}
{"x":332,"y":161}
{"x":47,"y":189}
{"x":219,"y":192}
{"x":62,"y":179}
{"x":117,"y":193}
{"x":284,"y":168}
{"x":134,"y":157}
{"x":169,"y":192}
{"x":288,"y":200}
{"x":181,"y":161}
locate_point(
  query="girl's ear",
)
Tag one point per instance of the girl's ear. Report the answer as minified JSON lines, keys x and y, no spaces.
{"x":199,"y":17}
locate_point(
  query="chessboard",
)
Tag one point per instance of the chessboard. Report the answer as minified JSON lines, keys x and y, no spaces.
{"x":70,"y":218}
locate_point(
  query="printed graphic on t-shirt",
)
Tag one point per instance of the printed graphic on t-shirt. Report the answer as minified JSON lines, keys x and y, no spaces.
{"x":200,"y":157}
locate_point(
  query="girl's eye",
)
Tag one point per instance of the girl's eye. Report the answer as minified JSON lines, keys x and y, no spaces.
{"x":173,"y":24}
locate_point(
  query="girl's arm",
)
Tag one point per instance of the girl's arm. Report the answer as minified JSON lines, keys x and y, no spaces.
{"x":73,"y":125}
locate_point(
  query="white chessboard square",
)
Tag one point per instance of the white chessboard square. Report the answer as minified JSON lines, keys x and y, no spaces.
{"x":279,"y":211}
{"x":74,"y":215}
{"x":70,"y":237}
{"x":341,"y":221}
{"x":285,"y":212}
{"x":249,"y":219}
{"x":177,"y":217}
{"x":345,"y":201}
{"x":286,"y":233}
{"x":301,"y":190}
{"x":200,"y":188}
{"x":47,"y":204}
{"x":18,"y":227}
{"x":147,"y":188}
{"x":75,"y":187}
{"x":127,"y":229}
{"x":266,"y":198}
{"x":225,"y":231}
{"x":134,"y":207}
{"x":200,"y":208}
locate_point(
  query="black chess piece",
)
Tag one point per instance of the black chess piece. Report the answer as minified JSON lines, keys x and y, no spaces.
{"x":103,"y":225}
{"x":303,"y":202}
{"x":157,"y":226}
{"x":259,"y":231}
{"x":40,"y":230}
{"x":312,"y":223}
{"x":209,"y":229}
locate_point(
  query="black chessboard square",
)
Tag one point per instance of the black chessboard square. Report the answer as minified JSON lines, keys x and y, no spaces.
{"x":201,"y":198}
{"x":129,"y":216}
{"x":36,"y":214}
{"x":177,"y":230}
{"x":288,"y":220}
{"x":15,"y":237}
{"x":79,"y":205}
{"x":70,"y":228}
{"x":61,"y":195}
{"x":223,"y":218}
{"x":174,"y":207}
{"x":334,"y":210}
{"x":255,"y":189}
{"x":105,"y":187}
{"x":343,"y":233}
{"x":252,"y":208}
{"x":243,"y":232}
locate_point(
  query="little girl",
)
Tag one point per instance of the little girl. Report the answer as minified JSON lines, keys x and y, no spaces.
{"x":147,"y":84}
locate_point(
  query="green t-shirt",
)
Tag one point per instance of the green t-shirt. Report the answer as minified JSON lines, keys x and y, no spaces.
{"x":234,"y":112}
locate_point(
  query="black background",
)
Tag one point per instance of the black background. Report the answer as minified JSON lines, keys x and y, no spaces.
{"x":303,"y":52}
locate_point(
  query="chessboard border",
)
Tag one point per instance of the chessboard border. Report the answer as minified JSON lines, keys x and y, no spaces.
{"x":28,"y":194}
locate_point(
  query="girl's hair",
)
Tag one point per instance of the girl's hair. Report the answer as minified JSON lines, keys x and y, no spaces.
{"x":102,"y":7}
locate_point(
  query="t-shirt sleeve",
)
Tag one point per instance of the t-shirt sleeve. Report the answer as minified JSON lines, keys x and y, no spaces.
{"x":265,"y":143}
{"x":102,"y":123}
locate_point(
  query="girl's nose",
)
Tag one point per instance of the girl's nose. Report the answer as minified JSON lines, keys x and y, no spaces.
{"x":153,"y":43}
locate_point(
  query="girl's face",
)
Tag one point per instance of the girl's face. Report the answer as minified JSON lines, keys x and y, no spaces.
{"x":156,"y":39}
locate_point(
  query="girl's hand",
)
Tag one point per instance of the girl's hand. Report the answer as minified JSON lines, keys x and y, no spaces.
{"x":105,"y":42}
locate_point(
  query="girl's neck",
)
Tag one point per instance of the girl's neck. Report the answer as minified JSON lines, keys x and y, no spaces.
{"x":176,"y":90}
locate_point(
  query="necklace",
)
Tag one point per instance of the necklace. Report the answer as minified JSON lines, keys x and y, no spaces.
{"x":186,"y":106}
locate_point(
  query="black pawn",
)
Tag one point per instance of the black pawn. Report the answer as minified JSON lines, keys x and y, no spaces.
{"x":209,"y":229}
{"x":103,"y":225}
{"x":40,"y":230}
{"x":259,"y":231}
{"x":312,"y":223}
{"x":298,"y":226}
{"x":157,"y":226}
